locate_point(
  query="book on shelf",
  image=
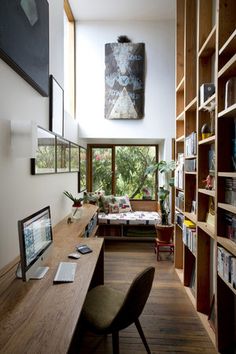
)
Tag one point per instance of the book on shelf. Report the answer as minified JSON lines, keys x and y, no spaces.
{"x":226,"y":265}
{"x":179,"y":219}
{"x":230,"y":222}
{"x":191,"y":144}
{"x":233,"y":157}
{"x":211,"y":160}
{"x":230,"y":191}
{"x":189,"y":235}
{"x":179,"y":171}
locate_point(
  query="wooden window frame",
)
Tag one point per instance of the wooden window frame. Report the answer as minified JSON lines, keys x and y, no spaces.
{"x":72,"y":56}
{"x":112,"y":146}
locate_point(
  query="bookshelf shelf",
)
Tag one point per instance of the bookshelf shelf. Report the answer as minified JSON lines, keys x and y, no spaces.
{"x":189,"y":157}
{"x":207,"y":54}
{"x":179,"y":189}
{"x":208,"y":103}
{"x":228,"y":284}
{"x":206,"y":228}
{"x":228,"y":112}
{"x":191,"y":216}
{"x":227,"y":207}
{"x":227,"y":244}
{"x":180,"y":139}
{"x":179,"y":210}
{"x":229,"y":46}
{"x":208,"y":48}
{"x":229,"y":68}
{"x":209,"y":140}
{"x":211,"y":193}
{"x":191,"y":173}
{"x":192,"y":105}
{"x":180,"y":86}
{"x":227,"y":174}
{"x":180,"y":116}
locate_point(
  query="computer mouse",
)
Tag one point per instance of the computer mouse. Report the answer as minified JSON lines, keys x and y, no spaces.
{"x":74,"y":255}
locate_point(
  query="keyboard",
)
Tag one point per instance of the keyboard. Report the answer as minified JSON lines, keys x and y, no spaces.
{"x":65,"y":272}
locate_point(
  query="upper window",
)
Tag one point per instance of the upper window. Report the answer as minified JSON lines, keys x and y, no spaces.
{"x":121,"y":170}
{"x":69,"y":60}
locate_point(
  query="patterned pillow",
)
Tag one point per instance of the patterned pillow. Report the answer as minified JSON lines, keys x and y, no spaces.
{"x":93,"y":197}
{"x":114,"y":208}
{"x":124,"y":203}
{"x":105,"y":200}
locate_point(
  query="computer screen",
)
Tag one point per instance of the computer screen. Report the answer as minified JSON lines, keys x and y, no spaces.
{"x":35,"y":236}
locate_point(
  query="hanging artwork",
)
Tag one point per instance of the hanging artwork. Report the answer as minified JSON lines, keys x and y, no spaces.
{"x":24,"y":40}
{"x":124,"y":80}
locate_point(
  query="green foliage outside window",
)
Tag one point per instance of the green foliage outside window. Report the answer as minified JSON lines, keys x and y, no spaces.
{"x":131,"y":163}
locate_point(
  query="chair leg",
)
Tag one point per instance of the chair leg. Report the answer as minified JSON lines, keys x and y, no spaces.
{"x":115,"y":342}
{"x":140,"y":331}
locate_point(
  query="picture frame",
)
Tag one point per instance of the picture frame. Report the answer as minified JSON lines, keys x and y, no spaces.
{"x":62,"y":155}
{"x":45,"y":160}
{"x":74,"y":157}
{"x":31,"y":27}
{"x":56,"y":107}
{"x":82,"y":175}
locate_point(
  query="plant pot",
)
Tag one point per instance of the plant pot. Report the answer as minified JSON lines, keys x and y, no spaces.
{"x":165,"y":233}
{"x":76,"y":211}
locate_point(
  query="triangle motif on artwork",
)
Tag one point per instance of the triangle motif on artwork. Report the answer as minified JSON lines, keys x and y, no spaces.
{"x":124,"y":107}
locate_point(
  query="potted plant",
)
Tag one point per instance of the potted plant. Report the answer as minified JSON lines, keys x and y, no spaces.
{"x":165,"y":229}
{"x":76,"y":207}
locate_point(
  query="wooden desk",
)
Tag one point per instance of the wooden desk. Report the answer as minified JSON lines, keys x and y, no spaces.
{"x":39,"y":317}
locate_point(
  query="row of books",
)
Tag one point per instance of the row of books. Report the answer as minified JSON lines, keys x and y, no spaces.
{"x":230,"y":191}
{"x":230,"y":220}
{"x":226,"y":266}
{"x":189,"y":235}
{"x":191,"y":144}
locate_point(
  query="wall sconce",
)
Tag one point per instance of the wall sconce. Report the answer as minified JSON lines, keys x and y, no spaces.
{"x":23,"y":138}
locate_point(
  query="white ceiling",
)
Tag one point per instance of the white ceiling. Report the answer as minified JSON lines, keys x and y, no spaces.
{"x":121,"y":10}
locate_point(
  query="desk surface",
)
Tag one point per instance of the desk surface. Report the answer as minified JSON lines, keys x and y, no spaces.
{"x":39,"y":317}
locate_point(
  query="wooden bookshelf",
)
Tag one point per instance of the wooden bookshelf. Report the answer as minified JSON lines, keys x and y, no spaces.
{"x":207,"y":55}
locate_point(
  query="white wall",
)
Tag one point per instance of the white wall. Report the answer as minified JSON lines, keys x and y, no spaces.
{"x":158,"y":123}
{"x":21,"y":194}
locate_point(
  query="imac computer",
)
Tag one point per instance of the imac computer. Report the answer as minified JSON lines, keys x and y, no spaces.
{"x":35,"y":236}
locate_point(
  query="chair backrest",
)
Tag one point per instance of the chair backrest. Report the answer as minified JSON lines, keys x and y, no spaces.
{"x":135,"y":299}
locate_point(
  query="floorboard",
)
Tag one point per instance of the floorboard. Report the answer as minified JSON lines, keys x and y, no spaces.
{"x":169,"y":320}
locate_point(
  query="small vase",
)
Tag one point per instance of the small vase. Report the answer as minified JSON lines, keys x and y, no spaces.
{"x":76,"y":212}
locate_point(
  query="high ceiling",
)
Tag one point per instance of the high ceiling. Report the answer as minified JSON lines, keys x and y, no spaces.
{"x":121,"y":10}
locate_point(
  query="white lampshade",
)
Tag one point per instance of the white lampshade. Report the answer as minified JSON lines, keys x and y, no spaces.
{"x":23,"y":138}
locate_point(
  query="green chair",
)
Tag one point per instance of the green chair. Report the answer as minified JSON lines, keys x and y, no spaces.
{"x":107,"y":310}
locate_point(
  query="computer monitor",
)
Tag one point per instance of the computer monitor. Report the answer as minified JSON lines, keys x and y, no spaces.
{"x":35,"y":237}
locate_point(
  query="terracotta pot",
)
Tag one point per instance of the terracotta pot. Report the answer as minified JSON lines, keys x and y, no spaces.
{"x":165,"y":233}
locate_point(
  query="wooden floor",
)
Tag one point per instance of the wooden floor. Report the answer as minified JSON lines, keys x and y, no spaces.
{"x":169,"y":320}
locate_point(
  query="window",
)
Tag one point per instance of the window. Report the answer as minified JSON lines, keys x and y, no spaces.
{"x":69,"y":60}
{"x":121,"y":170}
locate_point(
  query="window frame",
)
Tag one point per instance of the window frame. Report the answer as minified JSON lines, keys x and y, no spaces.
{"x":72,"y":60}
{"x":113,"y":146}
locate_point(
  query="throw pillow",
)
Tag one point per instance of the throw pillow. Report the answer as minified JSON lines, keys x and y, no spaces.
{"x":105,"y":200}
{"x":124,"y":203}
